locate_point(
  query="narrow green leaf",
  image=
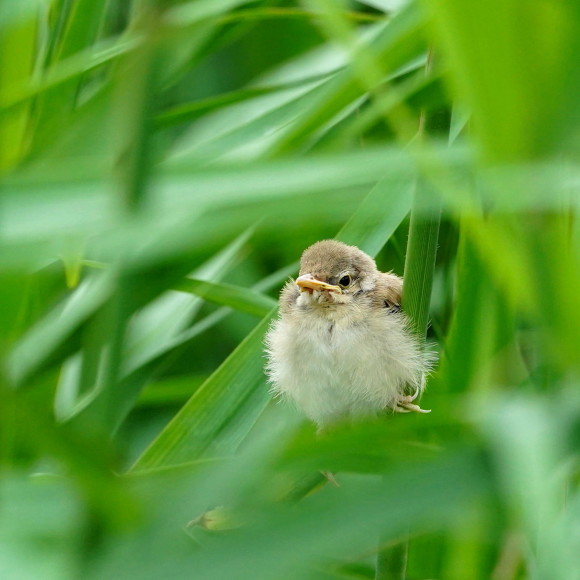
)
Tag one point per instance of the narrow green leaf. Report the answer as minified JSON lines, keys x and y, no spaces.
{"x":416,"y":91}
{"x":420,"y":260}
{"x":55,"y":106}
{"x":18,"y":35}
{"x":72,"y":258}
{"x":235,"y":297}
{"x":514,"y":120}
{"x":230,"y":132}
{"x":475,"y":334}
{"x":186,"y":113}
{"x":400,"y":42}
{"x":459,"y":120}
{"x":378,"y":216}
{"x":151,"y":332}
{"x":529,"y":446}
{"x":170,"y":391}
{"x":243,"y":192}
{"x":251,"y":127}
{"x":158,"y":324}
{"x":69,"y":69}
{"x":48,"y":334}
{"x":203,"y":325}
{"x":440,"y":490}
{"x":192,"y":431}
{"x":189,"y":13}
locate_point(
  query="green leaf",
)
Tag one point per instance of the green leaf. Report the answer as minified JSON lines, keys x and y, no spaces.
{"x":55,"y":106}
{"x":18,"y":34}
{"x":514,"y":120}
{"x":315,"y":528}
{"x":250,"y":128}
{"x":151,"y":332}
{"x":236,"y":387}
{"x":235,"y":297}
{"x":163,"y":319}
{"x":68,"y":69}
{"x":170,"y":391}
{"x":209,"y":321}
{"x":400,"y":42}
{"x":41,"y":341}
{"x":378,"y":216}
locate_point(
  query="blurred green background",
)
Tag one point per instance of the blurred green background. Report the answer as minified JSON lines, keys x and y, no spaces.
{"x":163,"y":164}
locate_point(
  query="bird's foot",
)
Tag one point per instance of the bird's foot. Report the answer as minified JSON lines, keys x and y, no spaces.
{"x":405,"y":404}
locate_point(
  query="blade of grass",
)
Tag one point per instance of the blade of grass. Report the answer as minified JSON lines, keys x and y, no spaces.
{"x":476,"y":333}
{"x":46,"y":336}
{"x":65,"y":71}
{"x":161,"y":359}
{"x":193,"y":430}
{"x":250,"y":127}
{"x":162,"y":320}
{"x":18,"y":32}
{"x":147,"y":239}
{"x":401,"y":41}
{"x":189,"y":334}
{"x":361,"y":503}
{"x":513,"y":121}
{"x":170,"y":391}
{"x":157,"y":333}
{"x":150,"y":332}
{"x":378,"y":216}
{"x":420,"y":260}
{"x":54,"y":106}
{"x":415,"y":89}
{"x":288,"y":12}
{"x":236,"y":297}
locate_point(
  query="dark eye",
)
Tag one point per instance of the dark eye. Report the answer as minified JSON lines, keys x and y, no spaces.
{"x":344,"y":281}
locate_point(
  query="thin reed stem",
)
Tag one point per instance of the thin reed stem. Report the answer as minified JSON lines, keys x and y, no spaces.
{"x":417,"y":287}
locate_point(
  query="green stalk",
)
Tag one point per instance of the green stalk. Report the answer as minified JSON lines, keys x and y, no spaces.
{"x":417,"y":287}
{"x":420,"y":259}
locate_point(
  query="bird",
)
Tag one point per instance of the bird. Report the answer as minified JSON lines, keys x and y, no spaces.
{"x":342,"y":349}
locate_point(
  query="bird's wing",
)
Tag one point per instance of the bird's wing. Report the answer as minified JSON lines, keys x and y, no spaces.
{"x":389,"y":289}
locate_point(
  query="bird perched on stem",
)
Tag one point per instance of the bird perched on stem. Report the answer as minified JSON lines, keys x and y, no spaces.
{"x":342,"y":348}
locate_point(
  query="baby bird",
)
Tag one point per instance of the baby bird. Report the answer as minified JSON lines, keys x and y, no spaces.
{"x":342,"y":349}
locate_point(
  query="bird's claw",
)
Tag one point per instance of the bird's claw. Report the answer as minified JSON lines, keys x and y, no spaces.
{"x":405,"y":404}
{"x":409,"y":407}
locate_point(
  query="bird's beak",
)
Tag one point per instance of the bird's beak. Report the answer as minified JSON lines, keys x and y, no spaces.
{"x":308,"y":281}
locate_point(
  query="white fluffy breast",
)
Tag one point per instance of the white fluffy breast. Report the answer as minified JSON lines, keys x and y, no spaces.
{"x":340,"y":368}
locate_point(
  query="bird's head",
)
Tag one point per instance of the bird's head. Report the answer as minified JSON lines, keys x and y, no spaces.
{"x":332,"y":273}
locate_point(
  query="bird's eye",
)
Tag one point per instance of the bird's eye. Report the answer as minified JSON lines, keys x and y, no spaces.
{"x":344,"y":281}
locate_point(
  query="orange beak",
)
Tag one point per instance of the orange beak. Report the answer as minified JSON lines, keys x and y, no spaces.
{"x":308,"y":281}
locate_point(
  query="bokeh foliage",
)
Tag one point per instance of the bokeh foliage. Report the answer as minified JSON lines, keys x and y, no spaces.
{"x":163,"y":164}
